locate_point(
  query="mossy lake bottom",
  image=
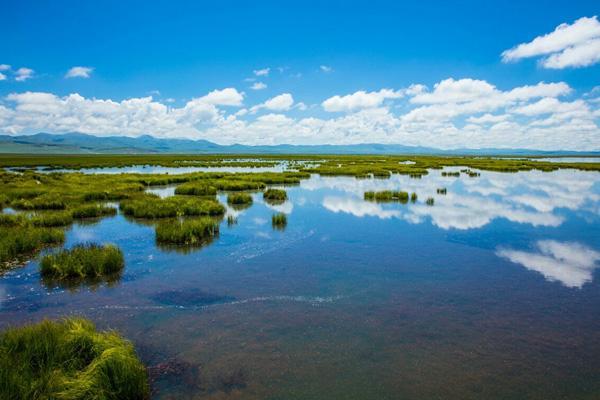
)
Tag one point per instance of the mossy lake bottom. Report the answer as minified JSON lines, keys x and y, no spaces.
{"x":491,"y":293}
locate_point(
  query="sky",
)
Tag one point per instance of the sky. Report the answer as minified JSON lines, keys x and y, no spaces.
{"x":461,"y":74}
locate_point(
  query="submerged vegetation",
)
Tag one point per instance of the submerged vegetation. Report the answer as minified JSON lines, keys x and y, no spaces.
{"x":187,"y":232}
{"x":83,"y":262}
{"x":93,"y":211}
{"x":279,"y":221}
{"x":442,"y":190}
{"x":69,"y":360}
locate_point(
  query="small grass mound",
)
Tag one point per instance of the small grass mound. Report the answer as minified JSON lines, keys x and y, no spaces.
{"x":279,"y":221}
{"x":430,"y":201}
{"x":239,"y":199}
{"x":86,"y":261}
{"x":93,"y":211}
{"x":196,"y":189}
{"x":188,"y":232}
{"x":16,"y":242}
{"x":154,"y":207}
{"x":413,"y":197}
{"x":387,"y":196}
{"x":442,"y":191}
{"x":69,"y":360}
{"x":275,"y":196}
{"x":52,"y":219}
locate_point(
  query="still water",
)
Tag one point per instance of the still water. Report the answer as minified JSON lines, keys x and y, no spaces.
{"x":492,"y":293}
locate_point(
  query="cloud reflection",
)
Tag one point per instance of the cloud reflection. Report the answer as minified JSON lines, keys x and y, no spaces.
{"x":570,"y":263}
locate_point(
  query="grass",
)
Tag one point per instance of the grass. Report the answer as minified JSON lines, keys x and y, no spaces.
{"x":83,"y":262}
{"x":196,"y":189}
{"x":387,"y":196}
{"x":275,"y":195}
{"x":93,"y":211}
{"x":442,"y":190}
{"x":279,"y":221}
{"x":20,"y":241}
{"x":413,"y":197}
{"x":231,"y":220}
{"x":150,"y":206}
{"x":52,"y":219}
{"x":430,"y":201}
{"x":69,"y":360}
{"x":239,"y":199}
{"x":187,"y":232}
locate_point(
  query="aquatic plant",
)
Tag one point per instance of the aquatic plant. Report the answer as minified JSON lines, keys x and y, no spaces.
{"x":69,"y":360}
{"x":450,"y":173}
{"x":93,"y":211}
{"x":430,"y":201}
{"x":187,"y":232}
{"x":239,"y":199}
{"x":413,"y":197}
{"x":43,"y":202}
{"x":387,"y":196}
{"x":441,"y":191}
{"x":17,"y":242}
{"x":196,"y":189}
{"x":85,"y":261}
{"x":231,"y":220}
{"x":150,"y":206}
{"x":279,"y":221}
{"x":275,"y":195}
{"x":52,"y":219}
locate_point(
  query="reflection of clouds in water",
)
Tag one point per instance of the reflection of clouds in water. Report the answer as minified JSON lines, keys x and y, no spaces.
{"x":259,"y":221}
{"x":570,"y":263}
{"x":530,"y":197}
{"x":358,"y":208}
{"x":285,"y":208}
{"x":83,"y":235}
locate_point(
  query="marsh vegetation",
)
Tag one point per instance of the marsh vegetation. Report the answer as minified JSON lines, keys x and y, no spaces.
{"x":190,"y":232}
{"x":69,"y":360}
{"x":387,"y":196}
{"x":279,"y":221}
{"x":275,"y":196}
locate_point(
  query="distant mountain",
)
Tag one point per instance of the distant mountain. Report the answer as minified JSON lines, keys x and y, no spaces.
{"x":80,"y":143}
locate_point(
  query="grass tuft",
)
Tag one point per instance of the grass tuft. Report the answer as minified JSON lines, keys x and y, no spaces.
{"x":279,"y":221}
{"x":387,"y":196}
{"x":188,"y":232}
{"x":93,"y":211}
{"x":69,"y":360}
{"x":86,"y":261}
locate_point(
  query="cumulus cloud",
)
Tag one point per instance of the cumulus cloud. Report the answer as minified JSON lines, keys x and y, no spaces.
{"x":4,"y":67}
{"x":2,"y":76}
{"x":225,"y":97}
{"x":326,"y":68}
{"x":282,"y":102}
{"x":574,"y":45}
{"x":79,"y":72}
{"x":262,"y":72}
{"x":258,"y":86}
{"x":23,"y":73}
{"x":569,"y":263}
{"x":359,"y":100}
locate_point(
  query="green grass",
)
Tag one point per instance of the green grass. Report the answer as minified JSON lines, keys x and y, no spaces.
{"x":279,"y":221}
{"x":19,"y":241}
{"x":387,"y":196}
{"x":196,"y":189}
{"x":239,"y":199}
{"x":69,"y":360}
{"x":275,"y":195}
{"x":450,"y":173}
{"x":86,"y":261}
{"x":150,"y":206}
{"x":187,"y":232}
{"x":93,"y":211}
{"x":52,"y":219}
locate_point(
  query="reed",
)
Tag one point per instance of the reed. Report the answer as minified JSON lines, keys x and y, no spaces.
{"x":279,"y":221}
{"x":430,"y":201}
{"x":387,"y":196}
{"x":85,"y":261}
{"x":69,"y":360}
{"x":187,"y":232}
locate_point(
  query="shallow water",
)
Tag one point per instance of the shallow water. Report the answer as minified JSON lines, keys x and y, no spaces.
{"x":492,"y":293}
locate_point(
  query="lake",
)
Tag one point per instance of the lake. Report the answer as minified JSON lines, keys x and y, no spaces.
{"x":491,"y":293}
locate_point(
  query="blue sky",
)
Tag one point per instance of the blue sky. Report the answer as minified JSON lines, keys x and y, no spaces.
{"x":177,"y":52}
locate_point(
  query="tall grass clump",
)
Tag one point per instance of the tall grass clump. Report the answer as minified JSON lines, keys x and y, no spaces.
{"x":85,"y":261}
{"x":275,"y":195}
{"x":413,"y":197}
{"x":52,"y":219}
{"x":430,"y":201}
{"x":279,"y":221}
{"x":442,"y":191}
{"x":93,"y":211}
{"x":239,"y":199}
{"x":450,"y":173}
{"x":187,"y":232}
{"x":155,"y":207}
{"x":196,"y":189}
{"x":69,"y":360}
{"x":16,"y":242}
{"x":387,"y":196}
{"x":43,"y":202}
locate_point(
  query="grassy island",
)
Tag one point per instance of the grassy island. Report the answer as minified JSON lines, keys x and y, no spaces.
{"x":387,"y":196}
{"x":187,"y":232}
{"x":279,"y":221}
{"x":275,"y":195}
{"x":85,"y":261}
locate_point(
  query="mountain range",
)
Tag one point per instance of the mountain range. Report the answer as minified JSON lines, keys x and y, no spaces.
{"x":80,"y":143}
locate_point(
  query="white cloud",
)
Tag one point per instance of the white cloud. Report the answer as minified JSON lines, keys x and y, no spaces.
{"x":359,"y":100}
{"x":282,"y":102}
{"x":4,"y":67}
{"x":575,"y":45}
{"x":326,"y":68}
{"x":22,"y":74}
{"x":225,"y":97}
{"x":258,"y":86}
{"x":570,"y":263}
{"x":262,"y":72}
{"x":2,"y":76}
{"x":79,"y":72}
